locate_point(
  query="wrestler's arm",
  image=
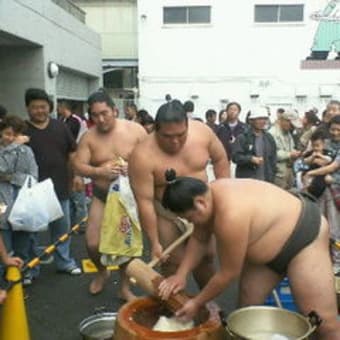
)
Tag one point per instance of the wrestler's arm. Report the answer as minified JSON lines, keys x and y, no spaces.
{"x":140,"y":133}
{"x":142,"y":184}
{"x":218,"y":156}
{"x":196,"y":249}
{"x":194,"y":252}
{"x":82,"y":158}
{"x":231,"y":247}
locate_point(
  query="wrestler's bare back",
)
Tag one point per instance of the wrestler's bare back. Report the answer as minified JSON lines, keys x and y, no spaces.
{"x":108,"y":147}
{"x":268,"y":220}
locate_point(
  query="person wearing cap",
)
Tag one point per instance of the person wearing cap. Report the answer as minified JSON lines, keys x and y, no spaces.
{"x":286,"y":151}
{"x":254,"y":151}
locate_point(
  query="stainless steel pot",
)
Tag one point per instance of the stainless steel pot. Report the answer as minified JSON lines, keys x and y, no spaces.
{"x":270,"y":323}
{"x":99,"y":326}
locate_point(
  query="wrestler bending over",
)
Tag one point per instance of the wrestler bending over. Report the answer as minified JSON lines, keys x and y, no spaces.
{"x":263,"y":233}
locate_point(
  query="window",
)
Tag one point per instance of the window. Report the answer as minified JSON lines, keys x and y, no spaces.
{"x":187,"y":15}
{"x":279,"y":13}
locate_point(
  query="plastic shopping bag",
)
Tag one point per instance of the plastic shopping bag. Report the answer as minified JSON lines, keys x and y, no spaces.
{"x":120,"y":237}
{"x":35,"y":206}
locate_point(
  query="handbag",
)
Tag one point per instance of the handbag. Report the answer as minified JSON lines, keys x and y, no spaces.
{"x":120,"y":233}
{"x":35,"y":206}
{"x":335,"y":191}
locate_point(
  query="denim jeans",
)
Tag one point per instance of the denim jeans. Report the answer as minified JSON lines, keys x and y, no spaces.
{"x":78,"y":207}
{"x":62,"y":256}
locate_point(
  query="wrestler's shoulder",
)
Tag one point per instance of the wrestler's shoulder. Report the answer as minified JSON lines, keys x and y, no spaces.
{"x":146,"y":148}
{"x":89,"y":134}
{"x":200,"y":130}
{"x":129,"y":123}
{"x":134,"y":131}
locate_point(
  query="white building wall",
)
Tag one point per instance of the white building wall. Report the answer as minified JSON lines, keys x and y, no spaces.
{"x":230,"y":59}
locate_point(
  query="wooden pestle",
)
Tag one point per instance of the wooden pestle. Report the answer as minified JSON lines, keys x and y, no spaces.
{"x":149,"y":280}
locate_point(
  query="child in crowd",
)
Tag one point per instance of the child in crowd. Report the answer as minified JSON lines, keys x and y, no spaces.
{"x":320,"y":155}
{"x":328,"y":201}
{"x":16,"y":163}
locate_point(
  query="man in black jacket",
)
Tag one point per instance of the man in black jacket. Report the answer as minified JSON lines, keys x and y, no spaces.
{"x":231,"y":128}
{"x":254,"y":151}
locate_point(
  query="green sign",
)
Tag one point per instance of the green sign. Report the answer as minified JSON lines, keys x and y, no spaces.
{"x":327,"y":36}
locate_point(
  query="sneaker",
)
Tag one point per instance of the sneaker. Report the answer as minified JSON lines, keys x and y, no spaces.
{"x":27,"y":281}
{"x":72,"y":271}
{"x":75,"y":271}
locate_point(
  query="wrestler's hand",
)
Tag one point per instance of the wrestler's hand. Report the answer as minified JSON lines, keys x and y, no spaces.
{"x":13,"y":261}
{"x":157,"y":252}
{"x":109,"y":170}
{"x":3,"y":295}
{"x":188,"y":311}
{"x":78,"y":184}
{"x":124,"y":169}
{"x":171,"y":285}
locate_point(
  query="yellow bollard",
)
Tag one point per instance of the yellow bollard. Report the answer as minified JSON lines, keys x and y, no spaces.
{"x":13,"y":319}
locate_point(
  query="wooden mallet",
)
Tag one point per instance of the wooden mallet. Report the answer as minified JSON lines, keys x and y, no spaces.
{"x":148,"y":279}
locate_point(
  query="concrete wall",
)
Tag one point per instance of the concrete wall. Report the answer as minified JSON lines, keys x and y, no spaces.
{"x":16,"y":74}
{"x":116,"y":21}
{"x":232,"y":58}
{"x":63,"y":39}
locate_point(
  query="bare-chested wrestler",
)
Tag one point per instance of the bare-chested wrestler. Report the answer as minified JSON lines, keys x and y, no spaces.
{"x":187,"y":146}
{"x":262,"y":233}
{"x":96,"y":158}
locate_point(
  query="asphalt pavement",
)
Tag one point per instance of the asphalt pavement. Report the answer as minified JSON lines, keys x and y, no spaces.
{"x":56,"y":303}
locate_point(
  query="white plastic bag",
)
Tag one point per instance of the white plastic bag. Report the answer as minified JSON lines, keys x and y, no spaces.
{"x":35,"y":206}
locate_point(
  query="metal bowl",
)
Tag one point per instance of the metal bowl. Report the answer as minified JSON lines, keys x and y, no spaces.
{"x":267,"y":323}
{"x":99,"y":326}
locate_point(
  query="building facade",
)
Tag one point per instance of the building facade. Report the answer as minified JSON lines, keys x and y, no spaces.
{"x":116,"y":22}
{"x":46,"y":44}
{"x":277,"y":53}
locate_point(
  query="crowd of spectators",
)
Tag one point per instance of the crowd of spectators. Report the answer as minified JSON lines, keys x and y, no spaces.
{"x":291,"y":150}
